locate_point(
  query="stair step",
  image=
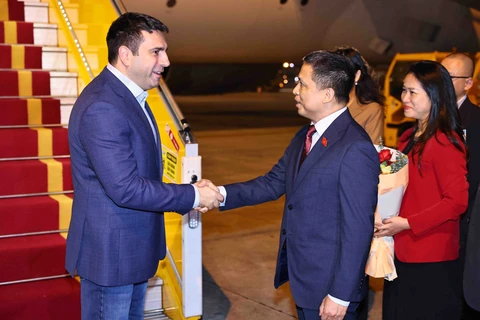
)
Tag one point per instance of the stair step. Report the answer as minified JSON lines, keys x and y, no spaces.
{"x":57,"y":299}
{"x":12,"y":11}
{"x":36,"y":12}
{"x":63,"y":84}
{"x":15,"y":83}
{"x":66,"y":108}
{"x":37,"y":83}
{"x":15,"y":111}
{"x":54,"y":59}
{"x":33,"y":57}
{"x":45,"y":34}
{"x":31,"y":176}
{"x":13,"y":32}
{"x":29,"y":214}
{"x":19,"y":56}
{"x":32,"y":257}
{"x":70,"y":8}
{"x":25,"y":142}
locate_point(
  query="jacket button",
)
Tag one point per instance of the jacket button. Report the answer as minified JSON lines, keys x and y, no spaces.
{"x":284,"y":231}
{"x":290,"y":207}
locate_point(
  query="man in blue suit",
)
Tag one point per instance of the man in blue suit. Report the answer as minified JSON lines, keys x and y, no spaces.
{"x":117,"y":234}
{"x":329,"y":174}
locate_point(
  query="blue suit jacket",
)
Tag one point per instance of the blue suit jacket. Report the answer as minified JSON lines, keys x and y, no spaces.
{"x":117,"y":233}
{"x":327,"y":222}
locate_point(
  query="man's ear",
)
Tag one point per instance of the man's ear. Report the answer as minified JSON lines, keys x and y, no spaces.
{"x":328,"y":95}
{"x":468,"y":84}
{"x":125,"y":56}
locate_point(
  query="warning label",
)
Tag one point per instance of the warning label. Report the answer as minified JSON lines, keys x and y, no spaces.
{"x":170,"y":165}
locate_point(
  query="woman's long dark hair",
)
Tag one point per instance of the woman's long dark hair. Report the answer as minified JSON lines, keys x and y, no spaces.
{"x":367,"y":90}
{"x":443,"y":117}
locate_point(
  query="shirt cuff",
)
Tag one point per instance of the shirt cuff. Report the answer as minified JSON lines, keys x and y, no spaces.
{"x":197,"y":196}
{"x":223,"y":192}
{"x":338,"y":301}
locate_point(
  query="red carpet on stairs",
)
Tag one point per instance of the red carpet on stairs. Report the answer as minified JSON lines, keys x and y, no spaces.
{"x":25,"y":101}
{"x":12,"y":10}
{"x":42,"y":300}
{"x":23,"y":142}
{"x":32,"y":257}
{"x":15,"y":83}
{"x":31,"y":176}
{"x":20,"y":56}
{"x":22,"y":31}
{"x":32,"y":214}
{"x":15,"y":111}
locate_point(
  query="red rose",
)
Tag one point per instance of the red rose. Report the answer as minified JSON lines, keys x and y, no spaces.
{"x":384,"y":155}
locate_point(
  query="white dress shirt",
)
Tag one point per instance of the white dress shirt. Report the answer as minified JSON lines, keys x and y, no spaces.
{"x":462,"y":99}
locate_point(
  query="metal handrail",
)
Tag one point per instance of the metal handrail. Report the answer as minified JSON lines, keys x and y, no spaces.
{"x":35,"y":158}
{"x":28,"y":126}
{"x":34,"y":279}
{"x":27,"y":234}
{"x":38,"y":194}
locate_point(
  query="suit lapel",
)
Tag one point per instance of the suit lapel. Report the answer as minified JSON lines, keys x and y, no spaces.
{"x":294,"y":158}
{"x":159,"y":143}
{"x":324,"y":144}
{"x":134,"y":107}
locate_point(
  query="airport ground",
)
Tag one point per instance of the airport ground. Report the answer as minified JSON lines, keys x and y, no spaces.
{"x":242,"y":136}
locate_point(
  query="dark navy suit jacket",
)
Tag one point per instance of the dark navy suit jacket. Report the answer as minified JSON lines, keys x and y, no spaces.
{"x":117,"y":233}
{"x":327,"y":222}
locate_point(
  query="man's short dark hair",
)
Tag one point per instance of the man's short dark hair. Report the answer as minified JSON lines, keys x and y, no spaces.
{"x":127,"y":31}
{"x":334,"y":71}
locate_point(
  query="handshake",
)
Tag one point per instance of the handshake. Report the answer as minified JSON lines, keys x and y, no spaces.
{"x":210,"y":196}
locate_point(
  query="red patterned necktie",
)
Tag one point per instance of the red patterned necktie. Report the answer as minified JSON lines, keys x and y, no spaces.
{"x":308,"y":143}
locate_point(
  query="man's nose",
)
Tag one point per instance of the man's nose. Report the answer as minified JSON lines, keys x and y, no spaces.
{"x":164,"y":61}
{"x":295,"y":91}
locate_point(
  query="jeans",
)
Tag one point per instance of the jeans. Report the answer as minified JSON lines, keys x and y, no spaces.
{"x":112,"y":303}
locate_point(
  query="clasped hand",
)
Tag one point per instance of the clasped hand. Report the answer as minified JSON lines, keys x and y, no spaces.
{"x":391,"y":226}
{"x":210,"y":196}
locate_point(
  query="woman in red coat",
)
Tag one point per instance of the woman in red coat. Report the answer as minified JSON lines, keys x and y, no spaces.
{"x":426,"y":232}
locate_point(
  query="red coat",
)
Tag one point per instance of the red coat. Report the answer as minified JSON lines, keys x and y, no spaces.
{"x":435,"y":198}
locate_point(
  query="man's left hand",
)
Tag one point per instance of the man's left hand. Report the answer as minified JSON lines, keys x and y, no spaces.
{"x":330,"y":310}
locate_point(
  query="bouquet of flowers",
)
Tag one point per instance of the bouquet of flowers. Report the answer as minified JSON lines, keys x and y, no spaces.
{"x":393,"y":182}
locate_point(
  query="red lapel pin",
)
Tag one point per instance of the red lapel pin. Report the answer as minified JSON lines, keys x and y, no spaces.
{"x":324,"y":141}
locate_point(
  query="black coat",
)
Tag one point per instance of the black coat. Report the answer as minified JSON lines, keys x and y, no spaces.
{"x":470,"y":223}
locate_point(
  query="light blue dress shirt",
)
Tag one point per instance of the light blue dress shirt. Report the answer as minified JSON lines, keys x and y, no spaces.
{"x":141,"y":96}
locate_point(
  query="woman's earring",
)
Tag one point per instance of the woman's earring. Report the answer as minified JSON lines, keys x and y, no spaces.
{"x":356,"y":83}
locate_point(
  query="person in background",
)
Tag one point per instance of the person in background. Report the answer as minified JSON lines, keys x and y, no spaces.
{"x":366,"y":104}
{"x":117,"y":234}
{"x":426,"y":232}
{"x":460,"y":67}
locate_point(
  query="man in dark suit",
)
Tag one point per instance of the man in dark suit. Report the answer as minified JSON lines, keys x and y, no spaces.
{"x":461,"y":67}
{"x":329,"y":174}
{"x":117,"y":235}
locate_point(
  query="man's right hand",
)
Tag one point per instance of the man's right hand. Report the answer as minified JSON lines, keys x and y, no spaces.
{"x":209,"y":196}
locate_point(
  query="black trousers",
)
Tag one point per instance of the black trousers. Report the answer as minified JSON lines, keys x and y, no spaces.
{"x":423,"y":291}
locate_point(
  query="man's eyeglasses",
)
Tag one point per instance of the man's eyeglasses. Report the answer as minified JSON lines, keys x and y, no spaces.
{"x":459,"y":77}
